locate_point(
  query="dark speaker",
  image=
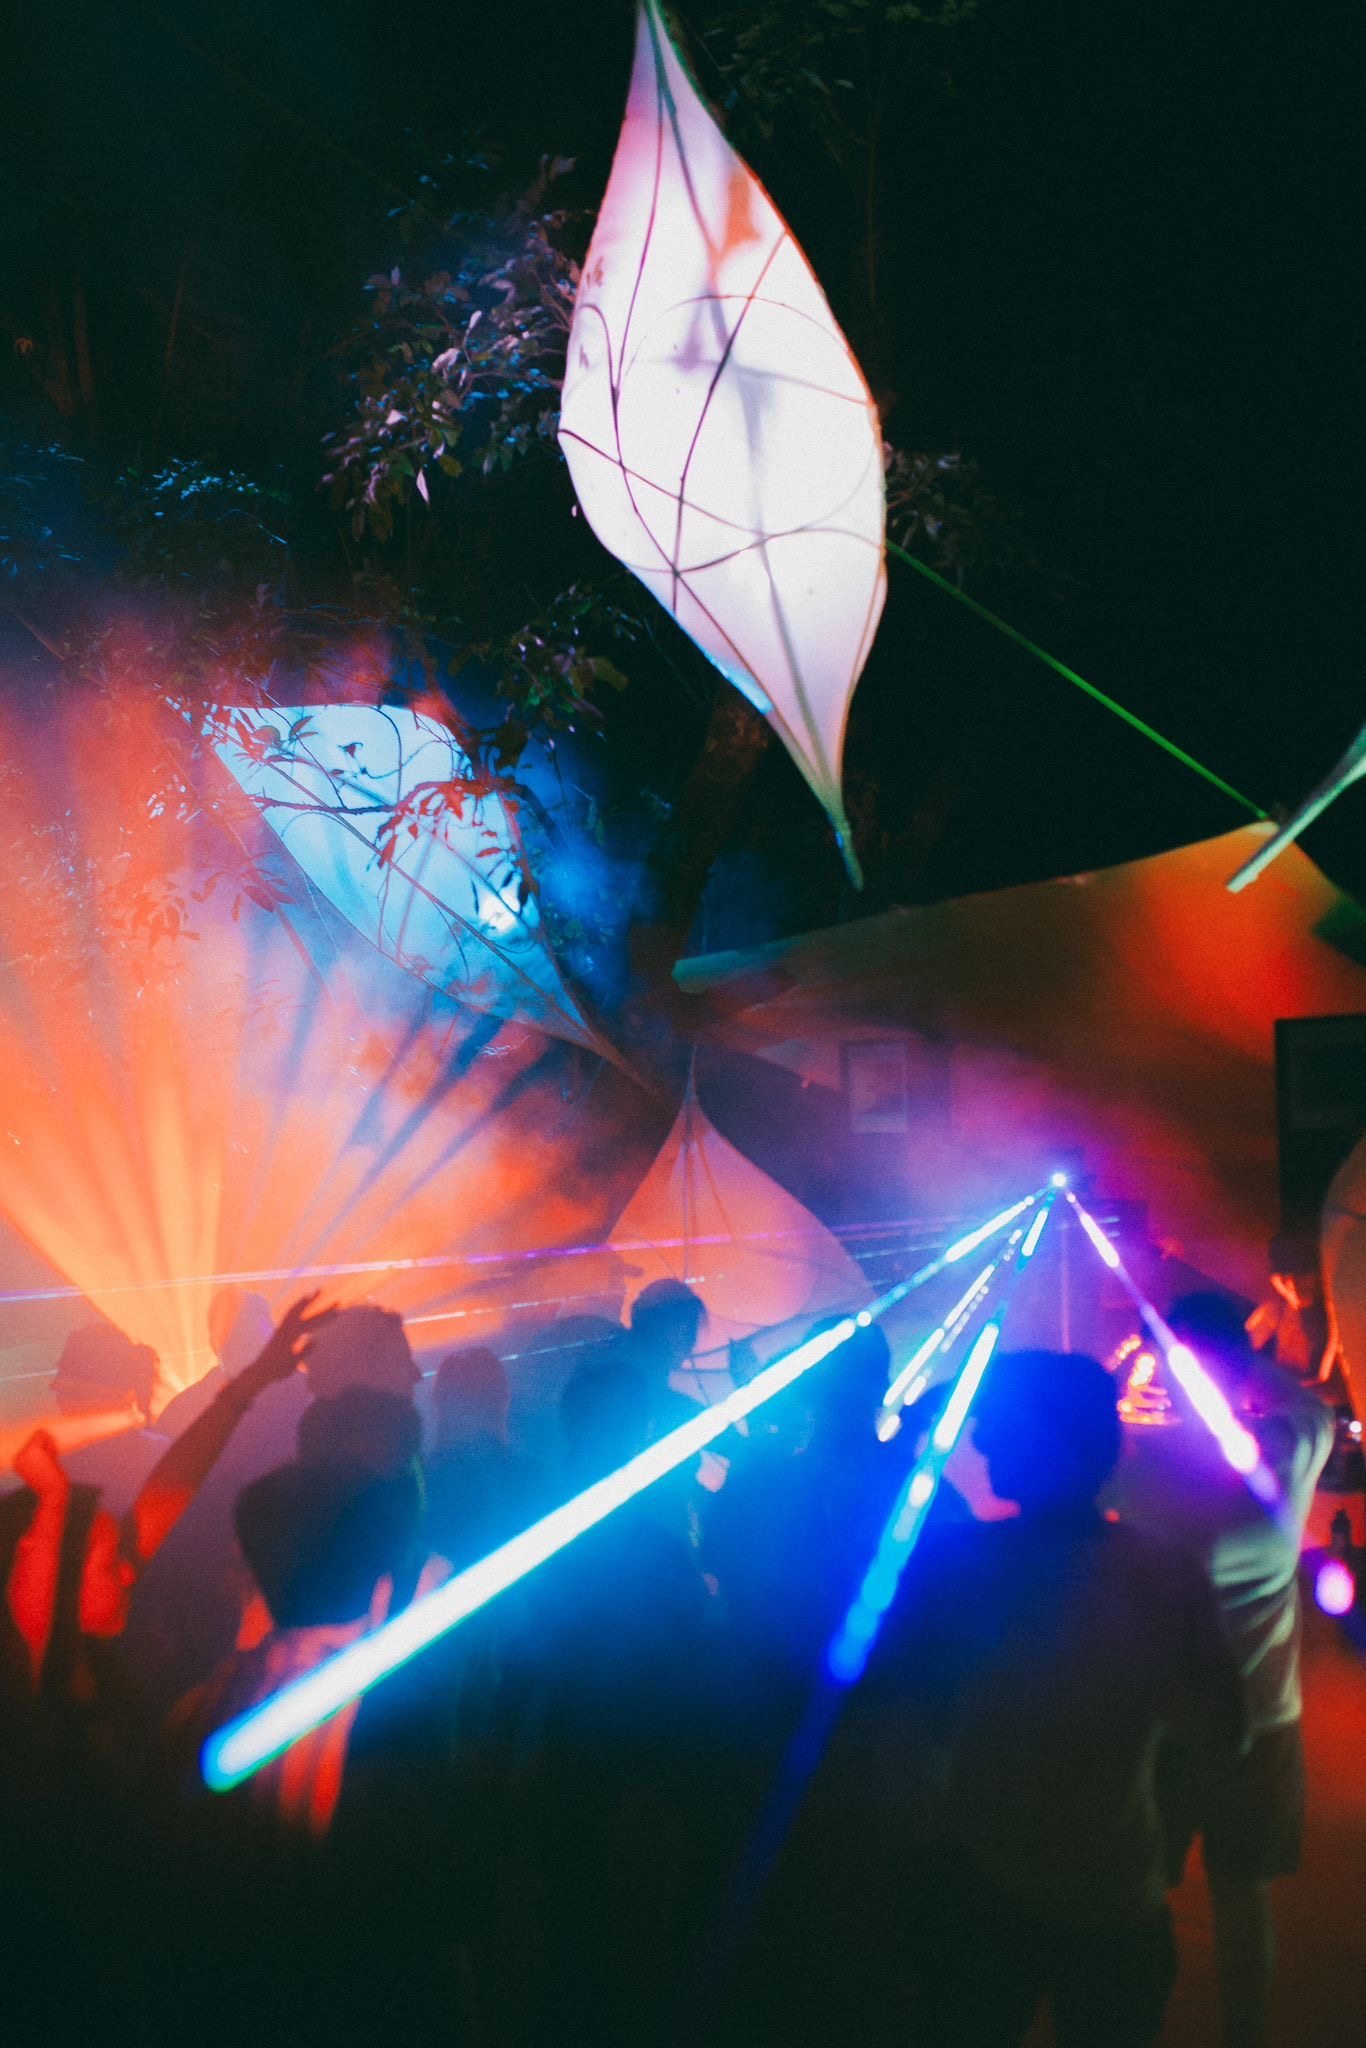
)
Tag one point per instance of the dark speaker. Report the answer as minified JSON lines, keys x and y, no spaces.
{"x":1320,"y":1107}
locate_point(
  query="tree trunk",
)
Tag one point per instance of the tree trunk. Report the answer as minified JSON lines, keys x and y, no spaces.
{"x":657,"y":1018}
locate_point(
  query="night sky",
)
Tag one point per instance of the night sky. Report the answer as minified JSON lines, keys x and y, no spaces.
{"x":1119,"y":267}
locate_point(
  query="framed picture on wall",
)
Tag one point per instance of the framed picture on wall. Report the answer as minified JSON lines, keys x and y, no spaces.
{"x":875,"y":1084}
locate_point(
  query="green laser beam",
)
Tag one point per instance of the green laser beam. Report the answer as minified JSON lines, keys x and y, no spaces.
{"x":1070,"y":675}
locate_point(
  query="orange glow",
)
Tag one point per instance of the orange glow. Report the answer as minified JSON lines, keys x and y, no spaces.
{"x":257,"y":1091}
{"x":68,"y":1432}
{"x":1144,"y":1367}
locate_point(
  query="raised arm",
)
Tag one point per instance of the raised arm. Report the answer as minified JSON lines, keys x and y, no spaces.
{"x":178,"y":1475}
{"x":31,"y":1591}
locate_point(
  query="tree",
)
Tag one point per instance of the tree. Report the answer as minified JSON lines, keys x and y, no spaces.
{"x":452,"y":381}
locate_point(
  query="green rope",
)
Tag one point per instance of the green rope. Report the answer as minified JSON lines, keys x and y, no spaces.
{"x":1071,"y":676}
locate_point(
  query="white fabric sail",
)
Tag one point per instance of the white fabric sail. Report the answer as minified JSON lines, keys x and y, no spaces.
{"x":721,"y":437}
{"x":762,"y":1263}
{"x":1351,"y":768}
{"x":443,"y":900}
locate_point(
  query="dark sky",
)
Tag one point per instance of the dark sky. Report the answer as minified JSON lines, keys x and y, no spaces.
{"x":1120,"y":267}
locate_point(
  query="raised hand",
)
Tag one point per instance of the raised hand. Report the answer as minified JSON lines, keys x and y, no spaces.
{"x":289,"y":1347}
{"x":39,"y":1465}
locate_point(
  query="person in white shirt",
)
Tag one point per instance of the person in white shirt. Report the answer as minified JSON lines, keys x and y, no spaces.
{"x":1175,"y":1481}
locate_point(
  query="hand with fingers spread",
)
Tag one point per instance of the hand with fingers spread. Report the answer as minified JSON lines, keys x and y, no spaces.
{"x":289,"y":1348}
{"x":179,"y":1474}
{"x":39,"y":1465}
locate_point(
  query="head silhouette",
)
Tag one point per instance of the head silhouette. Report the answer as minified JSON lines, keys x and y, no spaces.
{"x":361,"y":1427}
{"x":363,"y":1346}
{"x":1048,"y":1427}
{"x":666,"y":1320}
{"x":319,"y":1538}
{"x":101,"y":1369}
{"x":471,"y":1395}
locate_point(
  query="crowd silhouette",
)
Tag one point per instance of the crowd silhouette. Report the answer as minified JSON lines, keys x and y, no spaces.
{"x":626,"y":1802}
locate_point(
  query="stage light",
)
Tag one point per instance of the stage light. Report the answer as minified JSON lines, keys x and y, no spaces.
{"x":243,"y":1745}
{"x":1335,"y":1587}
{"x":899,"y":1391}
{"x":1057,"y":1180}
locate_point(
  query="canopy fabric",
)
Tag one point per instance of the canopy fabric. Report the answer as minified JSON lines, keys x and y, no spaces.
{"x":1127,"y":1014}
{"x":706,"y":1215}
{"x":210,"y":1075}
{"x":372,"y":803}
{"x":1344,"y":1262}
{"x":721,"y":437}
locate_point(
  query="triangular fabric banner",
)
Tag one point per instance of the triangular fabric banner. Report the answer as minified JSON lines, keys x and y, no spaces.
{"x":721,"y":437}
{"x":706,"y":1214}
{"x":1351,"y":768}
{"x":442,"y":900}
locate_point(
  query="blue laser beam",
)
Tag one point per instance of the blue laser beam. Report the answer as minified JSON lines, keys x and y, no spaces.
{"x":849,"y":1651}
{"x":1035,"y":1232}
{"x":974,"y":1238}
{"x":246,"y":1743}
{"x":851,"y":1646}
{"x":911,"y":1382}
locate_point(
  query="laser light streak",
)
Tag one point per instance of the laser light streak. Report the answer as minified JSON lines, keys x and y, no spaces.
{"x":849,"y":1651}
{"x":911,"y":1381}
{"x":245,"y":1744}
{"x":970,"y":1243}
{"x":241,"y":1747}
{"x":950,"y":1424}
{"x":1033,"y":1234}
{"x":1237,"y":1443}
{"x":1097,"y":1236}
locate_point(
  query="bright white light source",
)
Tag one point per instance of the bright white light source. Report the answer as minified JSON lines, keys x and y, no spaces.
{"x":1057,"y":1180}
